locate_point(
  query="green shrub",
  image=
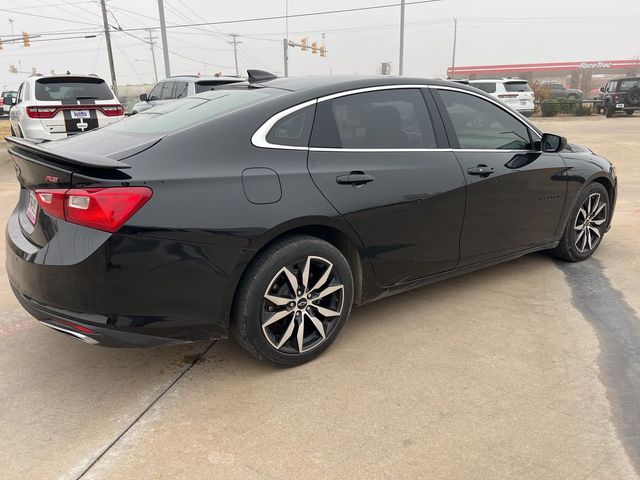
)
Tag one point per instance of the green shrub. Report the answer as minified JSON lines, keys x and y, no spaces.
{"x":567,"y":106}
{"x":550,"y":108}
{"x":583,"y":110}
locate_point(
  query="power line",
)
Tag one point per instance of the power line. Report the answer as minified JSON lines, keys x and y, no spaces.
{"x":47,"y":17}
{"x":295,"y":15}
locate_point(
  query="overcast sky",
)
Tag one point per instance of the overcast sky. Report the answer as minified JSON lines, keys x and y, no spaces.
{"x":489,"y":32}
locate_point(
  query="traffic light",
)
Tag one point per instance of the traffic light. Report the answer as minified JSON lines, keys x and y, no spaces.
{"x":303,"y":44}
{"x":323,"y":51}
{"x":314,"y":47}
{"x":12,"y":68}
{"x":25,"y":39}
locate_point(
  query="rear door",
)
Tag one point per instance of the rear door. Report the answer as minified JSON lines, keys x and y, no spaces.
{"x":515,"y":193}
{"x":381,"y":160}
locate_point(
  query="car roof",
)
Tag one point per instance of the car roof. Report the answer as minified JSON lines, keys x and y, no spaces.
{"x":70,"y":76}
{"x":503,"y":80}
{"x":315,"y":86}
{"x":196,"y":78}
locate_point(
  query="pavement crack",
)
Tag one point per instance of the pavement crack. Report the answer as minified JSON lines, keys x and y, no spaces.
{"x":148,"y":407}
{"x":617,"y":327}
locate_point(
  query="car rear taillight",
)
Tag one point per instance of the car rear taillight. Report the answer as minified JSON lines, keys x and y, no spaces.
{"x":1,"y":102}
{"x":41,"y":112}
{"x":100,"y":208}
{"x":112,"y":110}
{"x":508,"y":95}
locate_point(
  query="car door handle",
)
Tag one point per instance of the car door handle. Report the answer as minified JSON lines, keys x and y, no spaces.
{"x":354,"y":178}
{"x":482,"y":170}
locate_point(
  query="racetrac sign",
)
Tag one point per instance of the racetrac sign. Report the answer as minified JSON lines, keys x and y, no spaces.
{"x":544,"y":67}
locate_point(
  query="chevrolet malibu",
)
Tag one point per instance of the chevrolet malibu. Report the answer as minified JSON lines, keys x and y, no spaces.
{"x":268,"y":209}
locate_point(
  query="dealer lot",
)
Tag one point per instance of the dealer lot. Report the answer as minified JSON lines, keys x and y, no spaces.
{"x":530,"y":369}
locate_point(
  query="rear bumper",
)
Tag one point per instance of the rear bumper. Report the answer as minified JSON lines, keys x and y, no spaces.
{"x":130,"y":290}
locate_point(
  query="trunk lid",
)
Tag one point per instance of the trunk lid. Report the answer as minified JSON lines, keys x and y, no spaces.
{"x":38,"y":167}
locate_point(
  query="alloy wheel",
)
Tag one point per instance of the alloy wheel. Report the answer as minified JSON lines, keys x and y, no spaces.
{"x":302,"y":305}
{"x":590,"y":220}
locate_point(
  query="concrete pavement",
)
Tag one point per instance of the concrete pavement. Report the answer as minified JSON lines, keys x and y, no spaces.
{"x":529,"y":369}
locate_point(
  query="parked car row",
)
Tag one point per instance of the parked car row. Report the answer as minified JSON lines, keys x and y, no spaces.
{"x":267,"y":209}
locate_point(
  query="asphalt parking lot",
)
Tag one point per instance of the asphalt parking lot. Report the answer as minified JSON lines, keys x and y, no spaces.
{"x":530,"y":369}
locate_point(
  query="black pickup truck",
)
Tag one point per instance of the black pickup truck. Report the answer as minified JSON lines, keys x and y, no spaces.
{"x":621,"y":95}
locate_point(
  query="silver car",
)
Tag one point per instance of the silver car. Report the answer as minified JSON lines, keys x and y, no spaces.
{"x":173,"y":88}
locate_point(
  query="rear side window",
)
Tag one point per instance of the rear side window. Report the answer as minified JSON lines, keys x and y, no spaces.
{"x":489,"y":87}
{"x":72,"y":88}
{"x":480,"y":124}
{"x":394,"y":119}
{"x":174,"y":116}
{"x":626,"y":85}
{"x":294,"y":129}
{"x":517,"y":87}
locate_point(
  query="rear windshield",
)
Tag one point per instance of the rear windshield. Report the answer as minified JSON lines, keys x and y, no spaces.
{"x":175,"y":116}
{"x":517,"y":87}
{"x":626,"y":85}
{"x":70,"y":88}
{"x":206,"y":85}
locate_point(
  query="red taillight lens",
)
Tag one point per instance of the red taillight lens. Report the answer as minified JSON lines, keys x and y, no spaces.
{"x":100,"y":208}
{"x":52,"y":201}
{"x":112,"y":110}
{"x":508,"y":95}
{"x":42,"y":112}
{"x":1,"y":102}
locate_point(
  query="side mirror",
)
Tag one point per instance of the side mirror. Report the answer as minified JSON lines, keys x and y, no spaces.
{"x":602,"y":89}
{"x":144,"y":97}
{"x":552,"y":143}
{"x":9,"y":100}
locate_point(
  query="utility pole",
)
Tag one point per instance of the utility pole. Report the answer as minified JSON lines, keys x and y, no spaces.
{"x":401,"y":63}
{"x":455,"y":39}
{"x":107,"y":36}
{"x":285,"y":45}
{"x":165,"y":46}
{"x":235,"y":44}
{"x":153,"y":56}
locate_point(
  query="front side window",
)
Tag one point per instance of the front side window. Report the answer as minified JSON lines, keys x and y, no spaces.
{"x":480,"y":124}
{"x":489,"y":87}
{"x":180,"y":90}
{"x":72,"y":88}
{"x":156,"y":92}
{"x":384,"y":119}
{"x":167,"y":91}
{"x":294,"y":129}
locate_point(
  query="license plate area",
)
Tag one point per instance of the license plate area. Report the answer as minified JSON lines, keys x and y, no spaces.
{"x":32,"y":207}
{"x":79,"y":114}
{"x":619,"y":105}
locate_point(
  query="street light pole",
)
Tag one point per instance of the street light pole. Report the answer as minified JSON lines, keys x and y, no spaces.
{"x":455,"y":39}
{"x":165,"y":46}
{"x":107,"y":36}
{"x":401,"y":62}
{"x":153,"y":56}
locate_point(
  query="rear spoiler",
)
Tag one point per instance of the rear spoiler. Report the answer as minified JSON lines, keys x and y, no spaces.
{"x":81,"y":159}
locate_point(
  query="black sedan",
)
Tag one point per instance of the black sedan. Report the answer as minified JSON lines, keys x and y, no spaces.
{"x":269,"y":208}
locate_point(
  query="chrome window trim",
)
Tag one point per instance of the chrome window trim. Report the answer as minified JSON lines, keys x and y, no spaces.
{"x":259,"y":138}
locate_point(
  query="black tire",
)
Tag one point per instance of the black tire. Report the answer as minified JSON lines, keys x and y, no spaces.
{"x":569,"y":247}
{"x":629,"y":112}
{"x":632,"y":97}
{"x":265,"y":277}
{"x":610,"y":110}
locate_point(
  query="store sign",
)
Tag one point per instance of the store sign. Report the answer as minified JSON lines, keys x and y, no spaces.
{"x":594,"y":65}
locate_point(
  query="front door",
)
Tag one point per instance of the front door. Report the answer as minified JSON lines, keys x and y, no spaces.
{"x":375,"y":157}
{"x":515,"y":194}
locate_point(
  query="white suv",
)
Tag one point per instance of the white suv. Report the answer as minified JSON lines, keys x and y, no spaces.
{"x":54,"y":107}
{"x":514,"y":92}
